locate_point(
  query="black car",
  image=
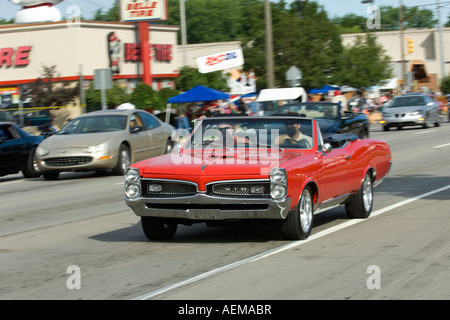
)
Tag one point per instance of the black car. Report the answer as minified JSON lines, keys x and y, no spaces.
{"x":17,"y":151}
{"x":330,"y":116}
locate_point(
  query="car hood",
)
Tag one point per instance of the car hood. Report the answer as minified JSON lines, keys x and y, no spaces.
{"x":234,"y":163}
{"x":402,"y":109}
{"x":79,"y":140}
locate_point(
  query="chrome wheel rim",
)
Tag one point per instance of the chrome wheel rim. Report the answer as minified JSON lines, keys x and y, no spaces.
{"x":367,"y":193}
{"x":306,"y":211}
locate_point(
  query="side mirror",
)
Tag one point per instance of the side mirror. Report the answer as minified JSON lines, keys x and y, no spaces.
{"x":136,"y":129}
{"x":177,"y":148}
{"x":326,"y":148}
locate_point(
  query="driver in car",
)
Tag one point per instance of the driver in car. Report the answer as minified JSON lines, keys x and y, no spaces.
{"x":294,"y":136}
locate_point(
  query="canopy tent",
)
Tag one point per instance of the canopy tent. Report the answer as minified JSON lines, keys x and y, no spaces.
{"x":199,"y":93}
{"x":324,"y":89}
{"x":281,"y":94}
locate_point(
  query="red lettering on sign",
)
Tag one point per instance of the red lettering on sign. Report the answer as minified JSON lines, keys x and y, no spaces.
{"x":22,"y":56}
{"x":6,"y":56}
{"x":163,"y":52}
{"x":132,"y":52}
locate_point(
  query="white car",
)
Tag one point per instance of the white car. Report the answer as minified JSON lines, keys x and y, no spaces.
{"x":102,"y":140}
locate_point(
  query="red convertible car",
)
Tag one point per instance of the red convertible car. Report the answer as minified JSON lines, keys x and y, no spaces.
{"x":275,"y":169}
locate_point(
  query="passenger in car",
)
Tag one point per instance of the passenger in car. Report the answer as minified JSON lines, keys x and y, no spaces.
{"x":294,"y":136}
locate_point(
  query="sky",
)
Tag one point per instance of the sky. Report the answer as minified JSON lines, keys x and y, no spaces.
{"x":332,"y":7}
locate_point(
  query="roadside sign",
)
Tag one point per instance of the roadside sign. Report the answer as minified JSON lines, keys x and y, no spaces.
{"x":103,"y":79}
{"x":294,"y":75}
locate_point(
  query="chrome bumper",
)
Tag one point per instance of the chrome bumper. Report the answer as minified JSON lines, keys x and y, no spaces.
{"x":206,"y":207}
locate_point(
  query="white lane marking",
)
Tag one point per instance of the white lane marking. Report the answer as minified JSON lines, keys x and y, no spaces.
{"x":282,"y":248}
{"x":442,"y":145}
{"x":427,"y":131}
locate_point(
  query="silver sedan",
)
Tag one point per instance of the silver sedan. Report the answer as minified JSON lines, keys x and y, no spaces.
{"x":102,"y":140}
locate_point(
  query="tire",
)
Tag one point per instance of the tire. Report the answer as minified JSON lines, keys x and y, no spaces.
{"x":360,"y":205}
{"x":31,"y":170}
{"x":386,"y":128}
{"x":158,"y":228}
{"x":425,"y":125}
{"x":50,"y":175}
{"x":123,"y":160}
{"x":298,"y":223}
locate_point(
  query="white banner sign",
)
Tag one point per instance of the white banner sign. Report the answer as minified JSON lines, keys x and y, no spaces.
{"x":220,"y":61}
{"x":142,"y":10}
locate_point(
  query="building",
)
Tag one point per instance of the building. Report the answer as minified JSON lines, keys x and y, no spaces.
{"x":79,"y":49}
{"x":425,"y":66}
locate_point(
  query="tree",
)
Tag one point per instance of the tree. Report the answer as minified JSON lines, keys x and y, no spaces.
{"x":190,"y":77}
{"x":144,"y":97}
{"x":445,"y":85}
{"x":49,"y":90}
{"x":365,"y":63}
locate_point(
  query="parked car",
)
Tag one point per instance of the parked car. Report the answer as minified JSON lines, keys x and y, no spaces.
{"x":331,"y":118}
{"x":17,"y":151}
{"x":273,"y":169}
{"x":103,"y":140}
{"x":6,"y":116}
{"x":411,"y":109}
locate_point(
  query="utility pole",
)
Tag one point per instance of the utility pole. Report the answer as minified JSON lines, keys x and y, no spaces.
{"x":441,"y":40}
{"x":269,"y":46}
{"x":183,"y":31}
{"x":402,"y":49}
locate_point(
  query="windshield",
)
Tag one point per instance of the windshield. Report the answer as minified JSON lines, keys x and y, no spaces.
{"x":317,"y":110}
{"x":407,"y":102}
{"x":103,"y":123}
{"x":252,"y":132}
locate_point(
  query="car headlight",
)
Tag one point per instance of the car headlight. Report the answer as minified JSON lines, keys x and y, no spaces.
{"x":278,"y":183}
{"x":41,"y":151}
{"x":278,"y":191}
{"x":386,"y":114}
{"x":102,"y":147}
{"x":131,"y":175}
{"x":132,"y":183}
{"x":416,"y":113}
{"x":278,"y":175}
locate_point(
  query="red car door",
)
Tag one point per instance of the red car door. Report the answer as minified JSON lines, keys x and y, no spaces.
{"x":333,"y":180}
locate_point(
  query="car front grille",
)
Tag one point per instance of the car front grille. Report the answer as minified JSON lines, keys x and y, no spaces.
{"x":169,"y":188}
{"x":67,"y":161}
{"x":240,"y":189}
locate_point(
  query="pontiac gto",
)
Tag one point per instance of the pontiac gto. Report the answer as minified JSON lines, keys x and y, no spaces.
{"x":278,"y":169}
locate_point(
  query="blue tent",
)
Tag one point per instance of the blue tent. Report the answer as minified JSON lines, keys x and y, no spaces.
{"x":324,"y":89}
{"x":199,"y":93}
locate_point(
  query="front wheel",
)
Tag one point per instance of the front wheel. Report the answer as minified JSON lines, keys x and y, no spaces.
{"x":360,"y":206}
{"x":158,"y":228}
{"x":123,"y":160}
{"x":31,"y":170}
{"x":298,"y":224}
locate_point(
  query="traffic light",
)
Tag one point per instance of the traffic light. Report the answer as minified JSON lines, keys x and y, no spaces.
{"x":410,"y":45}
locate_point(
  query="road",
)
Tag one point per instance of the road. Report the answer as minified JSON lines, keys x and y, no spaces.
{"x":78,"y":230}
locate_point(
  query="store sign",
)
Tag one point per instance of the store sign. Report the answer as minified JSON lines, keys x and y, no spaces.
{"x":161,"y":52}
{"x":143,"y":10}
{"x":18,"y":57}
{"x":220,"y":61}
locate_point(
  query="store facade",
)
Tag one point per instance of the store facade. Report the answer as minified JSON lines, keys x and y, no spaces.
{"x":80,"y":49}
